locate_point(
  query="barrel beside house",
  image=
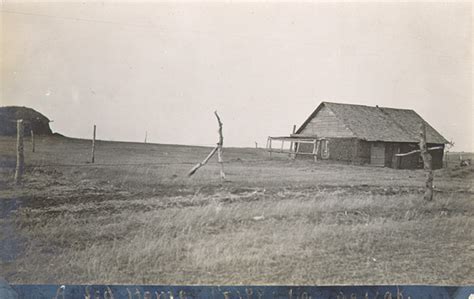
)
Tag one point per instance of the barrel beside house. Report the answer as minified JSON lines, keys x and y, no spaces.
{"x":370,"y":135}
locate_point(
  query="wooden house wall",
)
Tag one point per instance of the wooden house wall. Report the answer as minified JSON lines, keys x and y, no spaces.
{"x":390,"y":151}
{"x":363,"y":152}
{"x":342,"y":149}
{"x":326,"y":124}
{"x":413,"y":161}
{"x":359,"y":151}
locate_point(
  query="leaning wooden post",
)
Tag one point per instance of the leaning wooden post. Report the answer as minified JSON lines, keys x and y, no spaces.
{"x":93,"y":145}
{"x":217,"y":149}
{"x":20,"y":158}
{"x":32,"y":141}
{"x":199,"y":165}
{"x":219,"y":146}
{"x":426,"y":163}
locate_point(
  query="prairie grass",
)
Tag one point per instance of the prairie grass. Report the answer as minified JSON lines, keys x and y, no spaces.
{"x":274,"y":222}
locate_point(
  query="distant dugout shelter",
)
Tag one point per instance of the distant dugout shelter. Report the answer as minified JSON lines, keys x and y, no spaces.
{"x":364,"y":135}
{"x":33,"y":121}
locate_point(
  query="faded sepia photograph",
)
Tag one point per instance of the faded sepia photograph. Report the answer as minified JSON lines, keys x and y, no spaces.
{"x":236,"y":143}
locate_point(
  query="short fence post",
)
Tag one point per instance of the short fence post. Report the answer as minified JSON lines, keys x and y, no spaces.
{"x":20,"y":158}
{"x":93,"y":145}
{"x":270,"y":146}
{"x":32,"y":141}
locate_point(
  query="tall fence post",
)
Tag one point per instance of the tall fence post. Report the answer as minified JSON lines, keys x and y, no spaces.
{"x":93,"y":145}
{"x":220,"y":144}
{"x":427,"y":165}
{"x":32,"y":141}
{"x":20,"y":157}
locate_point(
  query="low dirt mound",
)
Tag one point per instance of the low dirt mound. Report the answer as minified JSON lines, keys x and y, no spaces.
{"x":33,"y":120}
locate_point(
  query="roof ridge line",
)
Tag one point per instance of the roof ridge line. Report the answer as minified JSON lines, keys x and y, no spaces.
{"x":361,"y":105}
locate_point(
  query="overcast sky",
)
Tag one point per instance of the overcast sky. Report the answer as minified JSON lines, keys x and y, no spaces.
{"x":165,"y":67}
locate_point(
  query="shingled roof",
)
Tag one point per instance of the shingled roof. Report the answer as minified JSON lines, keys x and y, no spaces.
{"x":380,"y":123}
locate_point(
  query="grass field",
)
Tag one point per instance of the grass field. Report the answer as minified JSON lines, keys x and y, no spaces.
{"x":135,"y":217}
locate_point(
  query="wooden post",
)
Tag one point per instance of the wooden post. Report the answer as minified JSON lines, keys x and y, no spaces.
{"x":93,"y":145}
{"x":219,"y":146}
{"x":270,"y":144}
{"x":32,"y":141}
{"x":20,"y":158}
{"x":291,"y":143}
{"x":256,"y":144}
{"x":146,"y":135}
{"x":426,"y":164}
{"x":315,"y":150}
{"x":446,"y":159}
{"x":297,"y":145}
{"x":199,"y":165}
{"x":217,"y":149}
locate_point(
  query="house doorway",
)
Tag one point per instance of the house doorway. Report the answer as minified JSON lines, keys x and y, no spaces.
{"x":377,"y":154}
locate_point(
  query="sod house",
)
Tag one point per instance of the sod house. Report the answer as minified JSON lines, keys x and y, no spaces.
{"x":368,"y":135}
{"x":32,"y":121}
